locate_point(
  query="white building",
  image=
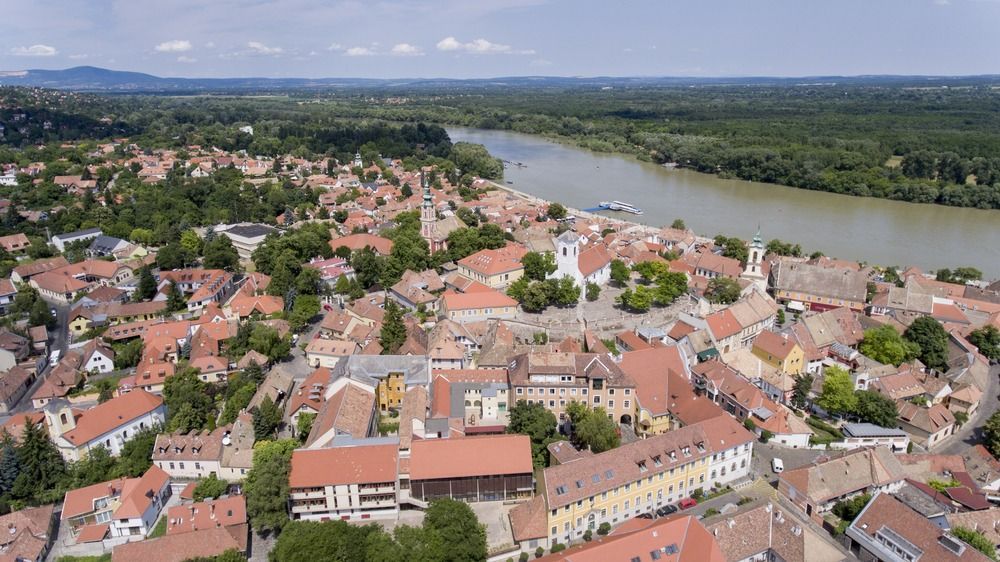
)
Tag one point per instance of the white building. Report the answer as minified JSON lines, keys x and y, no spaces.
{"x":867,"y":434}
{"x":61,"y":240}
{"x":128,"y":506}
{"x":246,"y":237}
{"x":109,"y":425}
{"x":587,"y":265}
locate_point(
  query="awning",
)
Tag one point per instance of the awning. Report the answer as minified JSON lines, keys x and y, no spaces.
{"x":796,"y":305}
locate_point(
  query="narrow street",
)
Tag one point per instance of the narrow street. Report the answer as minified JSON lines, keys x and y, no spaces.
{"x":971,"y":433}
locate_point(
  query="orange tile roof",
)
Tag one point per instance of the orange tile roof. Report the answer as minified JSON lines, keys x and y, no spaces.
{"x":774,"y":344}
{"x":178,"y":548}
{"x":470,"y":456}
{"x":111,"y":414}
{"x":723,"y":324}
{"x":473,"y":301}
{"x":379,"y":244}
{"x":649,"y":368}
{"x":640,"y":539}
{"x":491,"y":262}
{"x":222,"y":512}
{"x":363,"y":464}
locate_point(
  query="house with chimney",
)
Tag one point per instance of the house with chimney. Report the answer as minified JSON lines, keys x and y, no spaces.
{"x":124,"y":507}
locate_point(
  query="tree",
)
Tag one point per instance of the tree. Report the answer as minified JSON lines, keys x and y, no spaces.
{"x":619,"y":272}
{"x":848,"y":510}
{"x":135,"y":458}
{"x":592,"y":428}
{"x":190,"y":242}
{"x":175,"y":299}
{"x":173,"y":256}
{"x":733,"y":248}
{"x":987,"y":340}
{"x":875,"y":408}
{"x":266,"y":340}
{"x":305,"y":308}
{"x":459,"y":531}
{"x":932,"y":339}
{"x":10,"y":465}
{"x":678,"y":224}
{"x":838,"y":395}
{"x":885,"y":345}
{"x":650,"y":270}
{"x":210,"y":487}
{"x":338,"y":541}
{"x":976,"y":540}
{"x":475,"y":160}
{"x":556,"y":211}
{"x":220,"y":254}
{"x":539,"y":424}
{"x":593,"y":291}
{"x":637,"y":301}
{"x":189,"y":404}
{"x":722,"y":290}
{"x":146,"y":288}
{"x":535,"y":297}
{"x":801,"y":390}
{"x":129,"y":354}
{"x":393,"y":328}
{"x":266,"y":419}
{"x":237,"y":402}
{"x":568,"y":292}
{"x":266,"y":485}
{"x":538,"y":266}
{"x":41,"y":466}
{"x":41,"y":315}
{"x":669,"y":286}
{"x":309,"y":281}
{"x":991,"y":434}
{"x":303,"y":425}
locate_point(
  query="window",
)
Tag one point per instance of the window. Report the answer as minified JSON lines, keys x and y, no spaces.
{"x":597,"y":399}
{"x":627,"y":403}
{"x":530,"y":391}
{"x":628,"y":391}
{"x":552,"y":391}
{"x":171,"y":466}
{"x":611,"y":392}
{"x":520,"y":390}
{"x":611,"y":403}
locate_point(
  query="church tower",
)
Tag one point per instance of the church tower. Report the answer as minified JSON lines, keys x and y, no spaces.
{"x":427,"y":214}
{"x":755,"y":258}
{"x":358,"y":162}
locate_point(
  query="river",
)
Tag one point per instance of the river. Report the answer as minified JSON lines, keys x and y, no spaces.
{"x":877,"y":231}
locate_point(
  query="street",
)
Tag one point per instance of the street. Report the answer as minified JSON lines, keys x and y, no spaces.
{"x":971,"y":433}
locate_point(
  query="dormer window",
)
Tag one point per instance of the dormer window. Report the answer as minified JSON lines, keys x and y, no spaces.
{"x":642,"y":466}
{"x":656,"y":461}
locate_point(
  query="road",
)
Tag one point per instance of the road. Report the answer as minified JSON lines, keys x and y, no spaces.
{"x":58,"y":339}
{"x":971,"y":433}
{"x":791,"y":458}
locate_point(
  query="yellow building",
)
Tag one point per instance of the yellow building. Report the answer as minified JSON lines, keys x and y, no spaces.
{"x":496,"y":269}
{"x":642,"y":476}
{"x":390,"y":391}
{"x":82,"y":318}
{"x":780,"y":352}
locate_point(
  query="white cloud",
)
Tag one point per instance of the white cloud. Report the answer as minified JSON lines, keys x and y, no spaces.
{"x":175,"y":46}
{"x":335,"y":47}
{"x":358,"y":52}
{"x":262,"y":49}
{"x":479,"y":47}
{"x":405,"y":49}
{"x":183,"y":58}
{"x":34,"y":51}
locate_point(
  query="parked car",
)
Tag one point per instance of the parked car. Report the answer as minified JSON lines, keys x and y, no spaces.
{"x":666,"y":510}
{"x":777,"y":465}
{"x":647,"y":515}
{"x":688,"y":503}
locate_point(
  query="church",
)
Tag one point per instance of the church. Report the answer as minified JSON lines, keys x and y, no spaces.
{"x":435,"y":231}
{"x":586,"y":265}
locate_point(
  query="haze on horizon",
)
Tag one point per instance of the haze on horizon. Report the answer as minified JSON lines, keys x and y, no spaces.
{"x":485,"y":38}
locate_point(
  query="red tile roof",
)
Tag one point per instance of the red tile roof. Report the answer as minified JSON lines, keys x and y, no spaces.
{"x":470,"y":456}
{"x":107,"y":416}
{"x":365,"y":464}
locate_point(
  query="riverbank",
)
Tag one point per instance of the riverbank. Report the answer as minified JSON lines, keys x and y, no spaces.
{"x":874,"y":231}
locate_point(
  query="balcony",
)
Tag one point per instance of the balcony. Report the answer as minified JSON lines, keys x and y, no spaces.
{"x":315,"y":508}
{"x":308,"y":495}
{"x":377,"y":489}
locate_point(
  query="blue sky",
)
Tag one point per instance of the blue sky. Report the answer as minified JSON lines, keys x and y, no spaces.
{"x":482,"y":38}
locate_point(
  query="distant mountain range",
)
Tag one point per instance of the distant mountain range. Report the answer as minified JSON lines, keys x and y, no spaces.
{"x":90,"y":78}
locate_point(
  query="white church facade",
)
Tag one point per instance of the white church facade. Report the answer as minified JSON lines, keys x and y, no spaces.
{"x":589,"y":265}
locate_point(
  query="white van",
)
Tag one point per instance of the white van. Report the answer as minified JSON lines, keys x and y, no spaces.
{"x":777,"y":466}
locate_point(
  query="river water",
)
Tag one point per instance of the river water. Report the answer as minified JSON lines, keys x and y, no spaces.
{"x":877,"y":231}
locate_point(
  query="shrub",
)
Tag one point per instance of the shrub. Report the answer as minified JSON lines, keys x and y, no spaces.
{"x":604,"y":528}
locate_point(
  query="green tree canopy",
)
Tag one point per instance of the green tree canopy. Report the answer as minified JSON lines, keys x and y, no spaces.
{"x":838,"y":395}
{"x":932,"y":339}
{"x":266,"y":486}
{"x":885,"y":345}
{"x":875,"y":408}
{"x":722,"y":290}
{"x":538,"y":423}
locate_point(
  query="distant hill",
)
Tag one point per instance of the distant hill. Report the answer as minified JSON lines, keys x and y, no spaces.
{"x":91,"y":78}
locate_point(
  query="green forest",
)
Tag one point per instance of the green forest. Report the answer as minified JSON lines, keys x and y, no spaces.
{"x":927,"y":145}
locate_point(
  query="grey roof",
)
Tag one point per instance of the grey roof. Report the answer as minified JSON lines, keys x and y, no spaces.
{"x":371,"y":368}
{"x":250,"y":230}
{"x":649,"y":333}
{"x":456,"y":402}
{"x":871,"y":430}
{"x":105,"y":243}
{"x":833,"y":283}
{"x":918,"y":501}
{"x":78,"y":234}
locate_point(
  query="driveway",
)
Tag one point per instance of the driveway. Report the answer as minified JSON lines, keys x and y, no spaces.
{"x":972,"y":432}
{"x":763,"y":453}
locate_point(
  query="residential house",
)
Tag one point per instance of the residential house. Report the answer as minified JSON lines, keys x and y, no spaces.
{"x":30,"y":533}
{"x":417,"y":290}
{"x":815,"y":488}
{"x":347,"y":408}
{"x":496,"y":269}
{"x":124,"y":507}
{"x":60,"y":241}
{"x":889,"y":530}
{"x":98,"y":357}
{"x":390,"y":375}
{"x":229,"y":513}
{"x":637,"y":478}
{"x":480,"y":398}
{"x":24,"y":273}
{"x":104,"y":245}
{"x":14,"y":383}
{"x":205,"y":543}
{"x":381,"y":246}
{"x":779,"y":351}
{"x":858,"y":435}
{"x":351,"y":482}
{"x":15,"y":243}
{"x":927,"y":426}
{"x":196,"y":454}
{"x":650,"y":370}
{"x":203,"y":286}
{"x":804,"y":286}
{"x":477,"y":306}
{"x":327,"y":353}
{"x":8,"y":292}
{"x":109,"y":424}
{"x":554,"y":379}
